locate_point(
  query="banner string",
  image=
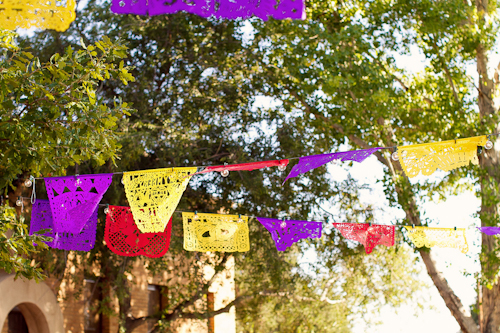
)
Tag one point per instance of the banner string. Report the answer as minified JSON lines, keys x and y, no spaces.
{"x":289,"y":158}
{"x":251,"y":217}
{"x":219,"y":165}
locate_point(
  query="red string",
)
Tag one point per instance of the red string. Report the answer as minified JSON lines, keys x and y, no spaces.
{"x":245,"y":166}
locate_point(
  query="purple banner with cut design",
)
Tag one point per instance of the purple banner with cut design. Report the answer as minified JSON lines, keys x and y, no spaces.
{"x":490,"y":230}
{"x":308,"y":163}
{"x":41,"y":218}
{"x":73,"y":199}
{"x":285,"y":233}
{"x":227,"y":9}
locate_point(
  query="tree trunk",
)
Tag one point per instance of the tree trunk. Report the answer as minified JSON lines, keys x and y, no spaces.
{"x":408,"y":202}
{"x":452,"y":301}
{"x":467,"y":324}
{"x":490,"y":194}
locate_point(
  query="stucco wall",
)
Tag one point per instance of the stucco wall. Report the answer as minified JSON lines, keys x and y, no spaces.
{"x":36,"y":301}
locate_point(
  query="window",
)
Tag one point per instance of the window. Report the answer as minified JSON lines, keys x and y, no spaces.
{"x":157,"y":301}
{"x":92,"y":317}
{"x":210,"y":308}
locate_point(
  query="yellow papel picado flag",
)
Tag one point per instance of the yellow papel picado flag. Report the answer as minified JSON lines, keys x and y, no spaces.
{"x":444,"y":155}
{"x":215,"y":232}
{"x":153,"y":195}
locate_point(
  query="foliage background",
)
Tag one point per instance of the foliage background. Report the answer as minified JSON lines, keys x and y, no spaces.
{"x":334,"y":81}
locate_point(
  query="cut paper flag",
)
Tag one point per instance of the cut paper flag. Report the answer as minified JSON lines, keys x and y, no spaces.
{"x":285,"y":233}
{"x":440,"y":237}
{"x":245,"y":166}
{"x":226,"y":9}
{"x":153,"y":195}
{"x":308,"y":163}
{"x":444,"y":155}
{"x":51,"y":14}
{"x":124,"y":238}
{"x":490,"y":230}
{"x":41,"y":218}
{"x":368,"y":235}
{"x":215,"y":232}
{"x":73,"y":199}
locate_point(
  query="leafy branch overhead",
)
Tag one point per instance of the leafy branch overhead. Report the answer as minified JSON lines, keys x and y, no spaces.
{"x":50,"y":119}
{"x":16,"y":245}
{"x":50,"y":114}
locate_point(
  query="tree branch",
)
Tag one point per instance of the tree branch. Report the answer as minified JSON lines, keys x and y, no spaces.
{"x":176,"y":313}
{"x":446,"y":71}
{"x":453,"y":302}
{"x":210,"y":314}
{"x":339,"y":128}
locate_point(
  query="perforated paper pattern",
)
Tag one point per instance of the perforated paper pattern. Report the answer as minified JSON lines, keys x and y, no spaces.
{"x":228,"y":9}
{"x":153,"y":195}
{"x":124,"y":238}
{"x":73,"y":199}
{"x":245,"y":166}
{"x":43,"y":14}
{"x":290,"y":232}
{"x":215,"y":232}
{"x":446,"y":155}
{"x":308,"y":163}
{"x":439,"y":237}
{"x":41,"y":218}
{"x":369,"y":236}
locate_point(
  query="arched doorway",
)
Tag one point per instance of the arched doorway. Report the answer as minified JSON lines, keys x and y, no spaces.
{"x":35,"y":301}
{"x":15,"y":322}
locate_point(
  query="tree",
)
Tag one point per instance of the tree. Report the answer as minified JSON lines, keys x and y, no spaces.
{"x":196,"y":84}
{"x":50,"y":119}
{"x":335,"y":73}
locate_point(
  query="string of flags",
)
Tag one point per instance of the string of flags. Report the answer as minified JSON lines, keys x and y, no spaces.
{"x":227,"y":9}
{"x":144,"y":228}
{"x":58,"y":15}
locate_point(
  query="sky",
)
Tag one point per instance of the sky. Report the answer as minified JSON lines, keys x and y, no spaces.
{"x":456,"y":211}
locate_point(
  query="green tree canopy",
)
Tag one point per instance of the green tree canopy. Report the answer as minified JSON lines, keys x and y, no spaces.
{"x":195,"y":91}
{"x":335,"y":73}
{"x":50,"y":119}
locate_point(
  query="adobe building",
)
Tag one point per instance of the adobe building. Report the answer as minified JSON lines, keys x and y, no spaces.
{"x":27,"y":306}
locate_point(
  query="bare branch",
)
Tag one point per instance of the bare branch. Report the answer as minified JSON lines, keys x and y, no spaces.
{"x":300,"y":298}
{"x":202,"y":290}
{"x":133,"y":322}
{"x":209,"y":314}
{"x":446,"y":71}
{"x":339,"y":128}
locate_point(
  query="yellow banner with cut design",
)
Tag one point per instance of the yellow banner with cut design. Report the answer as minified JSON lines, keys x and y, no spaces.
{"x":426,"y":158}
{"x":153,"y":195}
{"x":51,"y":14}
{"x":439,"y":237}
{"x":215,"y":232}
